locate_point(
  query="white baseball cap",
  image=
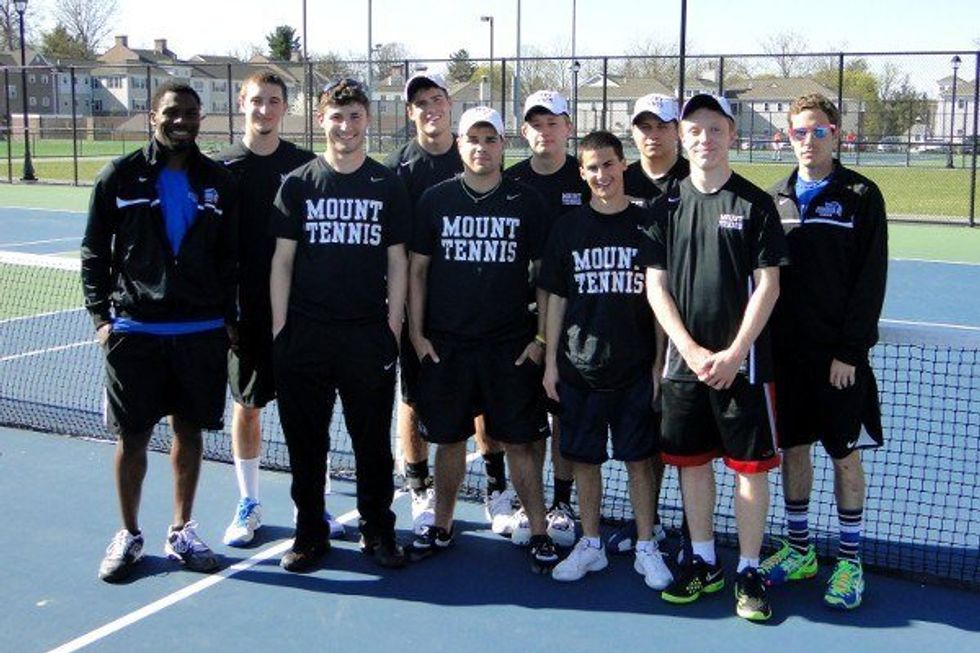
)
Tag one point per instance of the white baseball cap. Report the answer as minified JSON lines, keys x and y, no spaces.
{"x":662,"y":106}
{"x":418,"y":79}
{"x":550,"y":101}
{"x":708,"y":101}
{"x":478,"y":115}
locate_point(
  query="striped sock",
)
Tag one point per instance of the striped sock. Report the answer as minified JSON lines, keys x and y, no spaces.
{"x":797,"y":524}
{"x":850,"y":533}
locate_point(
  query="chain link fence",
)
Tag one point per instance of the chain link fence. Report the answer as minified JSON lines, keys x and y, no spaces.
{"x":909,"y":120}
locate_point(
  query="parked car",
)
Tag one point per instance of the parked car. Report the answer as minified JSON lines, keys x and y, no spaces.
{"x":891,"y":144}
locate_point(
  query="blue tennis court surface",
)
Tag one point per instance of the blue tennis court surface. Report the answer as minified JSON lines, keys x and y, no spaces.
{"x":479,"y":596}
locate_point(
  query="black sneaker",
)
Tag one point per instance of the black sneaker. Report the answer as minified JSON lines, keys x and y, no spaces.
{"x":385,"y":550}
{"x":304,"y":556}
{"x":751,"y":596}
{"x":432,"y":540}
{"x":544,"y":556}
{"x":695,"y":578}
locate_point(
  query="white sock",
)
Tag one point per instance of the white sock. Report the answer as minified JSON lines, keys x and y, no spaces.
{"x":706,"y":550}
{"x":593,"y":542}
{"x":247,"y":473}
{"x":744,"y":563}
{"x":646,"y":546}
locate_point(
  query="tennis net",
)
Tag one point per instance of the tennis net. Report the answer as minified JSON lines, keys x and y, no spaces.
{"x":923,"y":507}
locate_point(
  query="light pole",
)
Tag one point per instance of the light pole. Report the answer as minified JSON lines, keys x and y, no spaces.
{"x":21,"y":7}
{"x":517,"y":72}
{"x":955,"y":61}
{"x":370,"y":52}
{"x":489,"y":19}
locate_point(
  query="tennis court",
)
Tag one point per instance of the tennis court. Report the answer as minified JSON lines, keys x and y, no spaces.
{"x":923,"y":519}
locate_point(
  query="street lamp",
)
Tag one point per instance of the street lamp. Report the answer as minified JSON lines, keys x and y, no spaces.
{"x":489,"y":19}
{"x":21,"y":7}
{"x":955,"y":61}
{"x":575,"y":68}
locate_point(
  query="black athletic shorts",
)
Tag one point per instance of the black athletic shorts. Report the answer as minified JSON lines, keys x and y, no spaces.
{"x":149,"y":377}
{"x":590,"y":417}
{"x":408,"y":367}
{"x":250,"y":374}
{"x":700,"y":424}
{"x":809,"y":409}
{"x":474,"y":378}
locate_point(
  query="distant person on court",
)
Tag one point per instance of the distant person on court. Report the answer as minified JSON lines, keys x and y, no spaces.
{"x":480,"y":349}
{"x":600,"y":355}
{"x":657,"y":172}
{"x":339,"y":283}
{"x":423,"y":162}
{"x":159,"y":271}
{"x":778,"y":143}
{"x":716,"y":278}
{"x":554,"y":173}
{"x":259,"y":162}
{"x":824,"y":325}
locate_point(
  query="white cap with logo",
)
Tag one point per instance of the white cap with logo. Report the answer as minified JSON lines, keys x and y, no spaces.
{"x":708,"y":101}
{"x":478,"y":115}
{"x":551,"y":101}
{"x":662,"y":106}
{"x":418,"y":79}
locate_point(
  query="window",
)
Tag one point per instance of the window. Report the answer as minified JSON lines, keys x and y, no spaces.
{"x":137,"y":82}
{"x":779,"y":106}
{"x":45,"y":101}
{"x":96,"y":105}
{"x":113,"y":82}
{"x":138,"y":105}
{"x":765,"y":106}
{"x":219,"y":87}
{"x":11,"y":91}
{"x":32,"y":101}
{"x":198,"y":85}
{"x":30,"y":78}
{"x":44,"y":79}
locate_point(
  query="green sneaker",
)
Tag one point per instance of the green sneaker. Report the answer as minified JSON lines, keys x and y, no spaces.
{"x":846,"y":585}
{"x":788,"y":564}
{"x":696,"y":577}
{"x":751,"y":596}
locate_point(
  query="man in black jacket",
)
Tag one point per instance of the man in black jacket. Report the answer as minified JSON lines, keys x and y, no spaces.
{"x":824,"y":324}
{"x":159,"y":275}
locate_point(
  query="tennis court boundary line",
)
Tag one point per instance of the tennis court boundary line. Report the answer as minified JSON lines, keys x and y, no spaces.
{"x":34,"y":208}
{"x":936,"y":261}
{"x":39,"y":242}
{"x":47,"y":350}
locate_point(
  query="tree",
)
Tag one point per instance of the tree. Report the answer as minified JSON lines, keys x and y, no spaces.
{"x":386,"y":56}
{"x":461,"y":69}
{"x":282,"y":43}
{"x":88,"y":22}
{"x":59,"y":44}
{"x":331,"y":65}
{"x":651,"y":59}
{"x":10,"y":26}
{"x":784,"y":48}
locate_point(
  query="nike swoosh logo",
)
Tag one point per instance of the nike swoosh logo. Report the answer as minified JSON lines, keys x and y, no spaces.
{"x":673,"y":200}
{"x":230,"y":161}
{"x":513,"y":197}
{"x":390,"y":365}
{"x":375,"y":180}
{"x":405,"y":164}
{"x":141,"y":179}
{"x":783,"y":200}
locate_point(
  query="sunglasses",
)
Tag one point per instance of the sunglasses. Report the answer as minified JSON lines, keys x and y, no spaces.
{"x":820,"y":131}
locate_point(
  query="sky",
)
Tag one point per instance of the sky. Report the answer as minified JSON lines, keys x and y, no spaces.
{"x":435,"y":28}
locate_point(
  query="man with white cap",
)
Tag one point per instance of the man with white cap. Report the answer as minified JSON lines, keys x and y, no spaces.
{"x":423,"y":162}
{"x":555,"y":174}
{"x":715,"y":279}
{"x":659,"y":169}
{"x":473,"y":241}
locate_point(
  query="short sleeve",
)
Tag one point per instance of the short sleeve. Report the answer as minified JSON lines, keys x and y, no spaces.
{"x":553,"y":276}
{"x":287,"y":218}
{"x":423,"y":236}
{"x":539,"y":226}
{"x":398,"y":215}
{"x":655,"y":230}
{"x":771,"y":249}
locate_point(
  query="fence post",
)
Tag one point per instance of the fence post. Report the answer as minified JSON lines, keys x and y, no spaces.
{"x":308,"y":123}
{"x":721,"y":76}
{"x":605,"y":92}
{"x":149,"y":93}
{"x":751,"y":129}
{"x":231,"y":124}
{"x":840,"y":94}
{"x":7,"y":119}
{"x":74,"y":126}
{"x":975,"y":141}
{"x":503,"y":90}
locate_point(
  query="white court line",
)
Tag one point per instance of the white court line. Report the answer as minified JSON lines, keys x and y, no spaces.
{"x":937,"y":261}
{"x":40,"y":242}
{"x":31,"y":208}
{"x":941,"y":325}
{"x":48,"y":350}
{"x":37,"y":315}
{"x":199,"y":586}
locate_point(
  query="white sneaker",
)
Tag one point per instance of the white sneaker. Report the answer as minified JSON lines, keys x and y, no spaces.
{"x":124,"y":551}
{"x":186,"y":546}
{"x":423,"y":509}
{"x":500,"y":508}
{"x":247,"y":519}
{"x":651,"y":565}
{"x":336,"y":529}
{"x":579,"y":562}
{"x":520,"y":533}
{"x":561,"y":525}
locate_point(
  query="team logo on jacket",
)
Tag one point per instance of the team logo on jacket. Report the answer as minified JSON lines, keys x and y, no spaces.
{"x":829,"y":210}
{"x":571,"y":199}
{"x":210,"y":196}
{"x":730,"y":221}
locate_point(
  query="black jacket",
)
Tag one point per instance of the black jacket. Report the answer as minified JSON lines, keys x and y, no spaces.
{"x":831,"y":296}
{"x":128,"y":265}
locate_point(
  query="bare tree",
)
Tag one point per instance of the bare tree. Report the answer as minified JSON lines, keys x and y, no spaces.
{"x":87,"y":21}
{"x":653,"y":59}
{"x":784,"y":48}
{"x":10,"y":25}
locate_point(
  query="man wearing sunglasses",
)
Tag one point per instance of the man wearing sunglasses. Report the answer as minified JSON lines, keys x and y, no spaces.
{"x":423,"y":162}
{"x":825,"y":323}
{"x":338,"y":290}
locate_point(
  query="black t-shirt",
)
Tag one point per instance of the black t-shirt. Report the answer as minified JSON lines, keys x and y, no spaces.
{"x":637,"y":184}
{"x":343,"y":225}
{"x":259,"y":178}
{"x":710,"y":244}
{"x":420,"y":170}
{"x":477,"y":285}
{"x":598,"y":263}
{"x":563,"y":190}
